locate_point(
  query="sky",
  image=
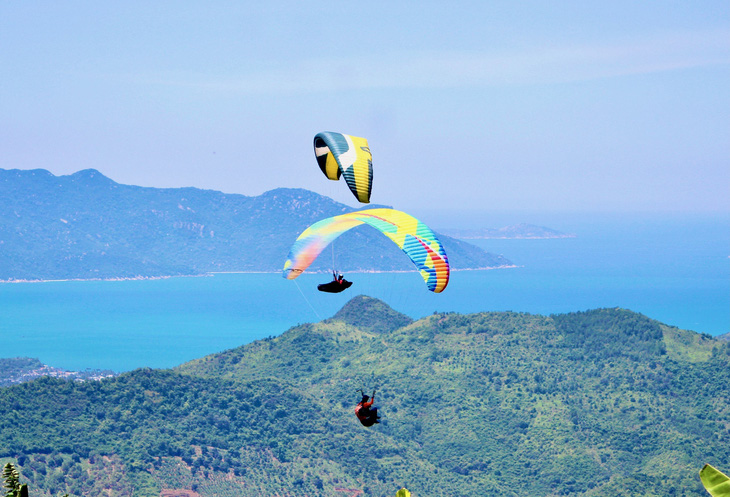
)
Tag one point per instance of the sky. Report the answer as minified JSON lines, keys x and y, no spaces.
{"x":486,"y":106}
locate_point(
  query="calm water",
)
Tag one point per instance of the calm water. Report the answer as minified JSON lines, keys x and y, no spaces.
{"x":674,"y":270}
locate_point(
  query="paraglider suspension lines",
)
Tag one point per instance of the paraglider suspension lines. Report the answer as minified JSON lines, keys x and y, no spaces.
{"x":307,"y":301}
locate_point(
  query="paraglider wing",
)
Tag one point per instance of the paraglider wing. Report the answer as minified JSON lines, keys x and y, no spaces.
{"x":411,"y":235}
{"x":346,"y":155}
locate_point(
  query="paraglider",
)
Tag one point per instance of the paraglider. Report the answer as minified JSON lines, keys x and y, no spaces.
{"x":349,"y":156}
{"x":415,"y":239}
{"x":365,"y":412}
{"x":337,"y":285}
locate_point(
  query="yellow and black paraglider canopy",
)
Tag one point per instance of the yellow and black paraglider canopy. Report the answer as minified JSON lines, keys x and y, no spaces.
{"x":349,"y":156}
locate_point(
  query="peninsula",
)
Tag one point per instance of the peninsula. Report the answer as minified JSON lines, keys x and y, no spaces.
{"x":87,"y":226}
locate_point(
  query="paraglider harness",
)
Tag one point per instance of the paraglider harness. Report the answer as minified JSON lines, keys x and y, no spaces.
{"x":337,"y":285}
{"x":365,"y":412}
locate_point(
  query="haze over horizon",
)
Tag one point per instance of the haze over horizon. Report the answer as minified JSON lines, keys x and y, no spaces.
{"x":533,"y":106}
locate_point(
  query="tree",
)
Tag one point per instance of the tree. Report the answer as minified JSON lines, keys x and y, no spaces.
{"x":13,"y":487}
{"x":11,"y":477}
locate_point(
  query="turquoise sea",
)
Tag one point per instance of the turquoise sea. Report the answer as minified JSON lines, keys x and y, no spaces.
{"x":675,"y":269}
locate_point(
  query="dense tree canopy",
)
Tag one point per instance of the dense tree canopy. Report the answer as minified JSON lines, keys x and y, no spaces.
{"x":605,"y":402}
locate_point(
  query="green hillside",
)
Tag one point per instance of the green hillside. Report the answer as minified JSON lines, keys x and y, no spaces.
{"x":603,"y":402}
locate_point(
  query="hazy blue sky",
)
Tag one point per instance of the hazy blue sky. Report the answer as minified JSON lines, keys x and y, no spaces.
{"x":490,"y":105}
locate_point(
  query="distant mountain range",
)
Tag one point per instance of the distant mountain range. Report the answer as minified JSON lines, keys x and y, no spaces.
{"x":521,"y":231}
{"x":605,"y":402}
{"x":86,"y":226}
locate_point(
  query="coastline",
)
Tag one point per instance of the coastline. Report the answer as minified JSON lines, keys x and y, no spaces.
{"x":557,"y":237}
{"x":213,"y":273}
{"x":130,"y":278}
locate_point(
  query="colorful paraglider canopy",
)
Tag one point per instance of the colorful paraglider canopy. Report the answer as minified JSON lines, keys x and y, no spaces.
{"x":346,"y":155}
{"x":411,"y":235}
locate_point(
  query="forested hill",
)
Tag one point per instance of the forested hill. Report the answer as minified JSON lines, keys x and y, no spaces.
{"x":603,"y":402}
{"x":87,"y":226}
